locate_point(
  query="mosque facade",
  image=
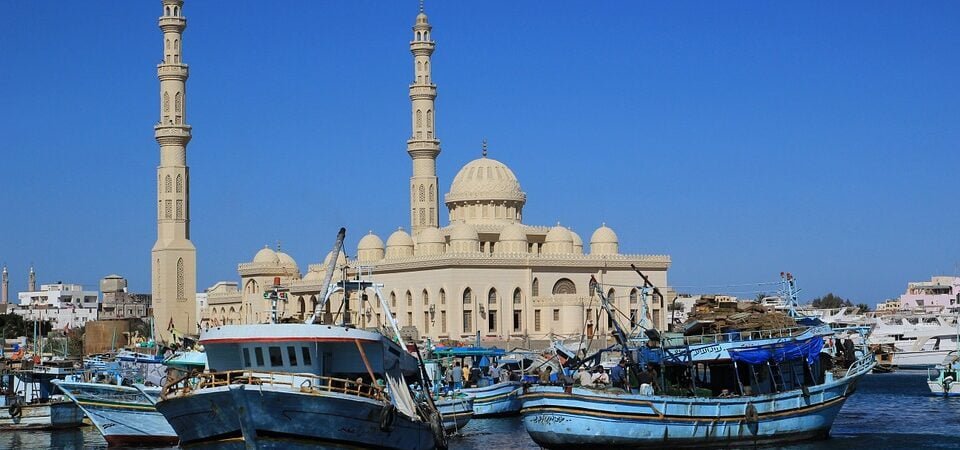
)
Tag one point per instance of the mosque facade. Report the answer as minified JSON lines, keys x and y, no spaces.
{"x":484,"y":274}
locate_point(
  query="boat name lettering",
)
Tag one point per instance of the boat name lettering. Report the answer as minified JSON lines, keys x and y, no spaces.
{"x":702,"y":351}
{"x":548,"y":419}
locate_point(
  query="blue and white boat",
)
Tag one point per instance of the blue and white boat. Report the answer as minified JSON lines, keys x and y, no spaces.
{"x":491,"y":397}
{"x":944,"y":379}
{"x":124,"y":415}
{"x":455,"y":410}
{"x":749,"y":391}
{"x":304,"y":386}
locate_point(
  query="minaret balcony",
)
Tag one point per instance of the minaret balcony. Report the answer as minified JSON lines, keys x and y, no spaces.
{"x":422,"y":48}
{"x":172,"y":71}
{"x":172,"y":134}
{"x":170,"y":24}
{"x":423,"y":91}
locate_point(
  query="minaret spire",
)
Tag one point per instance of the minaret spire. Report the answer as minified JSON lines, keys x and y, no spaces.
{"x":423,"y":145}
{"x":5,"y":294}
{"x":32,"y":280}
{"x":174,"y":271}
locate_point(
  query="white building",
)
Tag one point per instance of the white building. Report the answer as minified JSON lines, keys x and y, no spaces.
{"x":64,"y":305}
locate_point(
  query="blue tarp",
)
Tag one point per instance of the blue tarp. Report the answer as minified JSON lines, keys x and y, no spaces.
{"x":468,"y":351}
{"x":808,"y":349}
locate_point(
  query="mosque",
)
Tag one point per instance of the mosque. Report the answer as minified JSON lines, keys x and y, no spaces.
{"x":484,"y":274}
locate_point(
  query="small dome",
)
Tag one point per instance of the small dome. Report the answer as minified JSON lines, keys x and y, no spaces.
{"x":422,"y":17}
{"x":370,"y":242}
{"x":559,"y":234}
{"x":577,"y":242}
{"x":604,"y":241}
{"x":400,"y":238}
{"x":464,"y":232}
{"x":513,"y":233}
{"x":341,"y":259}
{"x":286,"y":259}
{"x":265,"y":255}
{"x":431,"y":235}
{"x":485,"y":179}
{"x":604,"y":235}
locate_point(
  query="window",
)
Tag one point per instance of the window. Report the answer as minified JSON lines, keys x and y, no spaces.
{"x":443,"y":297}
{"x":556,"y":315}
{"x":179,"y":183}
{"x":633,"y":296}
{"x":423,"y":194}
{"x":258,"y":352}
{"x":410,"y":319}
{"x":492,"y":297}
{"x":612,"y":295}
{"x":292,"y":355}
{"x":492,"y":321}
{"x":467,"y":296}
{"x":168,"y":209}
{"x":426,"y":297}
{"x":536,"y":320}
{"x":467,"y":321}
{"x":393,"y":299}
{"x":633,"y":318}
{"x":535,"y":289}
{"x":443,"y":321}
{"x":180,"y":290}
{"x":409,"y":299}
{"x":564,"y":286}
{"x":180,"y":209}
{"x":517,"y":316}
{"x":516,"y":296}
{"x":246,"y":357}
{"x":306,"y":356}
{"x":276,"y":357}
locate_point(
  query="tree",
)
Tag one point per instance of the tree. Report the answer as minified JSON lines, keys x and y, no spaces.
{"x":831,"y":301}
{"x":760,"y":297}
{"x":863,"y":307}
{"x":13,"y":325}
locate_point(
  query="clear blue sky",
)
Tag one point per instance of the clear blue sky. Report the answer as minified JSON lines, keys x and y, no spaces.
{"x":743,"y":139}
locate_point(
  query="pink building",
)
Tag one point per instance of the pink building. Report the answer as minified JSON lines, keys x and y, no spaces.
{"x":940,"y":293}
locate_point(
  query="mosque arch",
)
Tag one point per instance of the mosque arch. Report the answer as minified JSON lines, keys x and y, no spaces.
{"x":443,"y":296}
{"x":535,"y":288}
{"x":393,"y":299}
{"x":303,"y":307}
{"x":426,"y":297}
{"x":492,"y":296}
{"x":633,"y":295}
{"x":564,"y":286}
{"x":517,"y":296}
{"x":409,"y":299}
{"x":467,"y":296}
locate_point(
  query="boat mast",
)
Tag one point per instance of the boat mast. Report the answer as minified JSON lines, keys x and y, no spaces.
{"x":326,"y":289}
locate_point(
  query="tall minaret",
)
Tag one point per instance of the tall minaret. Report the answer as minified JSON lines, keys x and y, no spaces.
{"x":423,"y":145}
{"x":32,"y":280}
{"x":5,"y":290}
{"x":174,"y":261}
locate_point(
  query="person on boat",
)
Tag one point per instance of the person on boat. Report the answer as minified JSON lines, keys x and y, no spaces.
{"x":600,"y":377}
{"x":494,"y":371}
{"x":504,"y":375}
{"x":545,"y":375}
{"x":618,"y":374}
{"x":448,"y":378}
{"x":465,"y":374}
{"x":648,"y":377}
{"x":457,"y":376}
{"x":584,"y":377}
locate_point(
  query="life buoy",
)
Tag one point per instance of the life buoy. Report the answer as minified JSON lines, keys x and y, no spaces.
{"x":15,"y":411}
{"x":436,"y":426}
{"x":387,"y":415}
{"x":751,"y":413}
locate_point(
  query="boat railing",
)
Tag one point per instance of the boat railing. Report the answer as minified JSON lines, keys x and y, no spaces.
{"x":303,"y":382}
{"x":862,"y":365}
{"x":732,"y":336}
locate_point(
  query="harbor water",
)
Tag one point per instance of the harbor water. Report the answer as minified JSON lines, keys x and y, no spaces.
{"x":889,"y":411}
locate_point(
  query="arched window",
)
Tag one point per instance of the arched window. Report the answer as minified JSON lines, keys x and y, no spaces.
{"x":419,"y":36}
{"x":517,"y":296}
{"x":535,"y":289}
{"x":419,"y":66}
{"x":167,"y":9}
{"x":179,"y":183}
{"x":467,"y":296}
{"x":431,"y":199}
{"x":303,"y":307}
{"x":419,"y":118}
{"x":612,"y":295}
{"x":430,"y":118}
{"x":564,"y":286}
{"x":409,"y":299}
{"x":393,"y":299}
{"x":423,"y":194}
{"x":426,"y":297}
{"x":178,"y":102}
{"x":492,"y":297}
{"x":166,"y":102}
{"x":168,"y":184}
{"x":633,"y":295}
{"x":180,"y":289}
{"x":443,"y":297}
{"x":426,"y":66}
{"x":423,"y":217}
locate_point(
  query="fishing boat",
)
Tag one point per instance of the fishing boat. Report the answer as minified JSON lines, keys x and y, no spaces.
{"x":455,"y":411}
{"x":304,"y":385}
{"x":766,"y":387}
{"x":491,"y":396}
{"x":28,"y":399}
{"x":942,"y":379}
{"x":126,"y":415}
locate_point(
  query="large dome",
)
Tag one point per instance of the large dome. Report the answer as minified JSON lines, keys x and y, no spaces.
{"x":485,"y":179}
{"x":266,"y":255}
